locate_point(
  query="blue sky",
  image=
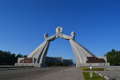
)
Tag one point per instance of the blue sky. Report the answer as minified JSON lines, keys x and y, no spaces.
{"x":23,"y":23}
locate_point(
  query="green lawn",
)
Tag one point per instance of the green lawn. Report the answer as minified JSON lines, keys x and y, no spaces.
{"x":95,"y":76}
{"x":94,"y":69}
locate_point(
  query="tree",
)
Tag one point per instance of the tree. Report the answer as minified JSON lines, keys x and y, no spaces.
{"x":113,"y":57}
{"x":8,"y":58}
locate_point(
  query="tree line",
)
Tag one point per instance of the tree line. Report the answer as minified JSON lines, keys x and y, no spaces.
{"x":113,"y":57}
{"x":8,"y":58}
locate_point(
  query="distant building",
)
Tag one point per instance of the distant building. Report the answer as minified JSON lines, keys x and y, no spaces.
{"x":58,"y":61}
{"x":68,"y":62}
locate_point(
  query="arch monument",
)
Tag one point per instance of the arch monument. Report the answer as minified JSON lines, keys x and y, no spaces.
{"x":83,"y":56}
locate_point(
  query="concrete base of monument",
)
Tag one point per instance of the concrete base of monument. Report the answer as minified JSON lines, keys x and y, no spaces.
{"x":91,"y":61}
{"x":77,"y":66}
{"x":28,"y":62}
{"x":27,"y":65}
{"x":24,"y":64}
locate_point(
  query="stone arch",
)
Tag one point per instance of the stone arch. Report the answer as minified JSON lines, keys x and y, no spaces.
{"x":81,"y":53}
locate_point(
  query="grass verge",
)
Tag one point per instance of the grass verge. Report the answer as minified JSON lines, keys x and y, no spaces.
{"x":93,"y":69}
{"x":94,"y":76}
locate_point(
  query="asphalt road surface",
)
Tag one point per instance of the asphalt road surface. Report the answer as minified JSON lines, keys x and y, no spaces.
{"x":113,"y":72}
{"x":54,"y":73}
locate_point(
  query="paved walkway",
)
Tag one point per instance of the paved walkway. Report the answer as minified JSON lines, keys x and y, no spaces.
{"x":61,"y":73}
{"x":113,"y":75}
{"x":113,"y":72}
{"x":67,"y":74}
